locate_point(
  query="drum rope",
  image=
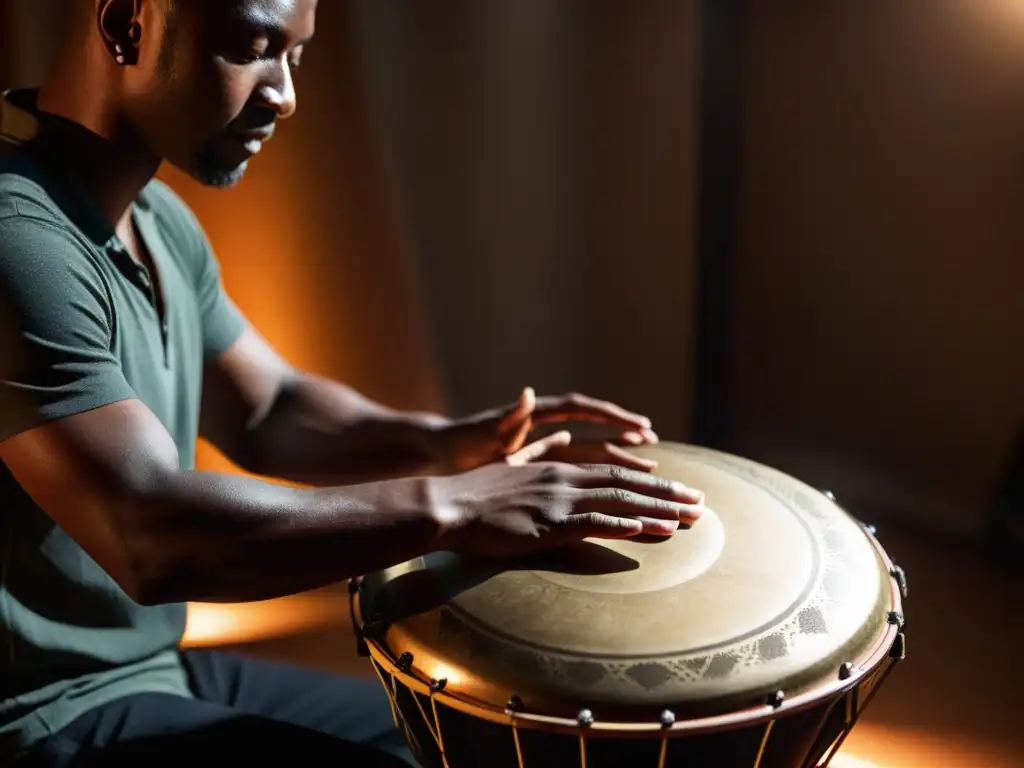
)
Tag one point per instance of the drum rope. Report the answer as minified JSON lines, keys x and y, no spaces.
{"x":823,"y":721}
{"x":515,"y":740}
{"x":426,"y":721}
{"x":663,"y":752}
{"x":390,"y":692}
{"x":764,"y":743}
{"x":583,"y":749}
{"x":848,"y":719}
{"x":437,"y":726}
{"x":858,"y":707}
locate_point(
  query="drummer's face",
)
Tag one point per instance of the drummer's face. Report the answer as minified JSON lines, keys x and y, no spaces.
{"x":208,"y":94}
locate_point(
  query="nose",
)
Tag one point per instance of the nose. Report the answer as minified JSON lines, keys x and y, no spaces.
{"x":278,"y":91}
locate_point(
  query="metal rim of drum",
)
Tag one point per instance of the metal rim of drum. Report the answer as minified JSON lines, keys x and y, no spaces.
{"x":752,"y":716}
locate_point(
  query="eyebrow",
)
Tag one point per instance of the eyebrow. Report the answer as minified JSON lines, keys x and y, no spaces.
{"x":256,"y":19}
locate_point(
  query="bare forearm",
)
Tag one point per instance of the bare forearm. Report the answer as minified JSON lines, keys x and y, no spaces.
{"x":212,"y":537}
{"x":321,"y":433}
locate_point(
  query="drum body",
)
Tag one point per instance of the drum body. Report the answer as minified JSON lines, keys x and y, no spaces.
{"x":753,"y":640}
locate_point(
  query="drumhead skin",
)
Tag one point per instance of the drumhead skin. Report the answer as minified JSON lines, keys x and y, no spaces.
{"x":774,"y":589}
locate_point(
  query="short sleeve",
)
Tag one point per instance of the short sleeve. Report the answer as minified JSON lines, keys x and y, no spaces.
{"x":56,"y":322}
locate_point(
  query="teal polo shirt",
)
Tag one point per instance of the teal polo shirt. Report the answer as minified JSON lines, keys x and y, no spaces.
{"x":79,"y":329}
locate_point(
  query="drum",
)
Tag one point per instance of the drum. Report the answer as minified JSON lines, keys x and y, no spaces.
{"x":755,"y":639}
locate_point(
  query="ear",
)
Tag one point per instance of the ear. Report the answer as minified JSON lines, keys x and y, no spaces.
{"x":118,"y":22}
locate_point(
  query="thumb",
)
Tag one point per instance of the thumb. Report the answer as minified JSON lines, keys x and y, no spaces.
{"x":537,"y":449}
{"x":519,"y":412}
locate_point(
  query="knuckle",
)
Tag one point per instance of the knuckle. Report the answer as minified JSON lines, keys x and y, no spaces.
{"x":584,"y":518}
{"x":553,"y":474}
{"x":617,"y":472}
{"x":623,"y":497}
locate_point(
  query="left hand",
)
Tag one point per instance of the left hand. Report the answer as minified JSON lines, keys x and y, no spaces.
{"x":501,"y":434}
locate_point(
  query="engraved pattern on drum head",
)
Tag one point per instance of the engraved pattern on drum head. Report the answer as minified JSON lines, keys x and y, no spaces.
{"x":833,"y":608}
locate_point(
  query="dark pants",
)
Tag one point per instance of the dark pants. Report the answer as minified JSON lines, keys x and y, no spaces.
{"x":244,"y":709}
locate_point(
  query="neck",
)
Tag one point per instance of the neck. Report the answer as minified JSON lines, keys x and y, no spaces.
{"x":112,"y":165}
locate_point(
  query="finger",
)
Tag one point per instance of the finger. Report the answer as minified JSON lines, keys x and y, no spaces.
{"x":539,"y":448}
{"x":601,"y":453}
{"x":610,"y":476}
{"x":618,"y":456}
{"x":518,"y":440}
{"x":655,"y":527}
{"x":615,"y":501}
{"x":599,"y":526}
{"x":637,"y":437}
{"x":520,"y":412}
{"x":576,"y":407}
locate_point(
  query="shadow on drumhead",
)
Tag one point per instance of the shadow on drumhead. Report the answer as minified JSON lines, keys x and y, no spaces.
{"x":448,"y":575}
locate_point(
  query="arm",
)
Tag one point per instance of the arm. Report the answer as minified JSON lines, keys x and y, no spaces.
{"x":273,"y":420}
{"x":167,"y":535}
{"x":102,"y":466}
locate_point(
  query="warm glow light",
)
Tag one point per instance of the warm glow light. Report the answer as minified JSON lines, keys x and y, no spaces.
{"x":849,"y":761}
{"x":872,"y":745}
{"x":211,"y":625}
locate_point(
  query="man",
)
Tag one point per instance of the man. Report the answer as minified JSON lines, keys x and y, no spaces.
{"x":120,"y":347}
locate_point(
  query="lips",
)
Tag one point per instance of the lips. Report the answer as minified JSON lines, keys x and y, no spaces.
{"x":252,"y":141}
{"x":261,"y":135}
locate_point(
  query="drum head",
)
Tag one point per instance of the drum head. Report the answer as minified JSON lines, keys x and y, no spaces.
{"x":773,"y":589}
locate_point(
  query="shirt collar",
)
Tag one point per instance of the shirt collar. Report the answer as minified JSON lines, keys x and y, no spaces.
{"x":50,"y":139}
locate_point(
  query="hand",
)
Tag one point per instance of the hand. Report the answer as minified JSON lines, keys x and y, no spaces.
{"x":501,"y":434}
{"x":502,"y":511}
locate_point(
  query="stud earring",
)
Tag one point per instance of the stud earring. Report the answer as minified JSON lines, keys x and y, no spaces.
{"x":119,"y":54}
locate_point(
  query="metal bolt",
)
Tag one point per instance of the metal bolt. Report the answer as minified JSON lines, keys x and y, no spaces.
{"x":668,"y":718}
{"x":405,"y":662}
{"x":585,"y":718}
{"x":896,"y":618}
{"x":846,"y":671}
{"x":776,"y":699}
{"x":901,"y":579}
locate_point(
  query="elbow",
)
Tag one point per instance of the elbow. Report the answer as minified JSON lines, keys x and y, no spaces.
{"x":152,"y":548}
{"x":143,"y":574}
{"x":152,"y":579}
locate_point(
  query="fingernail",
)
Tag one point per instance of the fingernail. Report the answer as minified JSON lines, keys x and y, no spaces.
{"x":656,"y":527}
{"x":694,"y":514}
{"x":633,"y":438}
{"x":684,"y":490}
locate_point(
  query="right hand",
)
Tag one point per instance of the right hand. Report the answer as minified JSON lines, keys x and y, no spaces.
{"x":503,"y":510}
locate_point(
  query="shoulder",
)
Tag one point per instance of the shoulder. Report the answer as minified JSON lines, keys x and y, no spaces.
{"x":24,"y":190}
{"x":43,"y":258}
